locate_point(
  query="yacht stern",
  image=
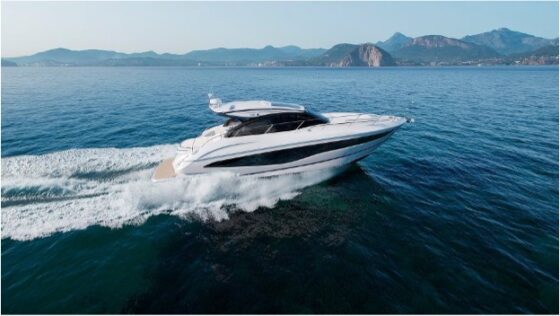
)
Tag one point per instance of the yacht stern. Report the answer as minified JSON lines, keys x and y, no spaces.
{"x":164,"y":171}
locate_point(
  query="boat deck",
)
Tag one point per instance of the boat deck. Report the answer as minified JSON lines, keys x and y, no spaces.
{"x":164,"y":170}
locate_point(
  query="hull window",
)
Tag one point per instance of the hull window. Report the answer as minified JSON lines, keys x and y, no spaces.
{"x":292,"y":154}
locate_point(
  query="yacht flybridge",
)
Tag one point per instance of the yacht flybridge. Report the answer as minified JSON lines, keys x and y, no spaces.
{"x":267,"y":138}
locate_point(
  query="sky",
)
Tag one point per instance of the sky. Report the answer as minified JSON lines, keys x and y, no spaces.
{"x":179,"y":27}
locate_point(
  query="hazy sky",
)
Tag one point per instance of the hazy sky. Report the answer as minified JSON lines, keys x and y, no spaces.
{"x":178,"y":27}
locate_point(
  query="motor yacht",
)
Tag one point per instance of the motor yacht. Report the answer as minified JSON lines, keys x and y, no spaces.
{"x":268,"y":138}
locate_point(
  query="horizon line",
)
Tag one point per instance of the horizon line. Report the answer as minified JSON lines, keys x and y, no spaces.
{"x":279,"y":46}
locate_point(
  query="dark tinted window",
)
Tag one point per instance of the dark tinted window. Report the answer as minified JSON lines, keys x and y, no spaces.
{"x":231,"y":121}
{"x":275,"y":123}
{"x":250,"y":128}
{"x":292,"y":154}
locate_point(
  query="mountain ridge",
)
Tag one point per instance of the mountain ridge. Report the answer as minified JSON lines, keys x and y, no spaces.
{"x":210,"y":57}
{"x":441,"y":49}
{"x":502,"y":46}
{"x":508,"y":42}
{"x":354,"y":55}
{"x":396,"y":41}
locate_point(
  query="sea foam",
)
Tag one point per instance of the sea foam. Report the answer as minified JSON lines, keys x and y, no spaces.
{"x":75,"y":189}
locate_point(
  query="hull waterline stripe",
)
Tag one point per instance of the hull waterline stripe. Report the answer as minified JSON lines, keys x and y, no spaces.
{"x":317,"y":162}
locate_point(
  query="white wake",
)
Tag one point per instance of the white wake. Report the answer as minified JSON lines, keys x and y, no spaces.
{"x":78,"y":188}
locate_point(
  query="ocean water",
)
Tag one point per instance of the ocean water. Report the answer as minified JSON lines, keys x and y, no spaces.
{"x":456,"y":213}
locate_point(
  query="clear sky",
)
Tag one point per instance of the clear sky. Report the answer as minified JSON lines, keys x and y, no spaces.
{"x":178,"y":27}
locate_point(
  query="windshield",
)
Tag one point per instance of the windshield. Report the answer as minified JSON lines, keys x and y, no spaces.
{"x":275,"y":123}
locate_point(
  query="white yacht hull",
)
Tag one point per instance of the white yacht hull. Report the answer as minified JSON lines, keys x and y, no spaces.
{"x":329,"y":146}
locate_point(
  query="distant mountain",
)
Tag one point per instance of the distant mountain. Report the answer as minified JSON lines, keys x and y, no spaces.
{"x":549,"y":50}
{"x":66,"y":56}
{"x":547,"y":55}
{"x":507,"y":42}
{"x":335,"y":54}
{"x":350,"y":55}
{"x":7,"y":63}
{"x":96,"y":57}
{"x":501,"y":46}
{"x":397,"y":41}
{"x":145,"y":62}
{"x":297,"y":52}
{"x":211,"y":57}
{"x":252,"y":55}
{"x":441,"y":49}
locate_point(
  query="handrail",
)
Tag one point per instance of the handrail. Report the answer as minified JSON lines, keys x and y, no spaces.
{"x":268,"y":129}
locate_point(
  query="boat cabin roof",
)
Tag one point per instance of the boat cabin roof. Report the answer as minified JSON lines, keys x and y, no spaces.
{"x":244,"y":110}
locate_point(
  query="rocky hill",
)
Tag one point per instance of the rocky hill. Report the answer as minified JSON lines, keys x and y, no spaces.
{"x":507,"y":42}
{"x":350,"y":55}
{"x":441,"y":49}
{"x":396,"y":41}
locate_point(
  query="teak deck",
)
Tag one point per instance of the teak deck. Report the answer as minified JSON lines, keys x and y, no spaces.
{"x":164,"y":170}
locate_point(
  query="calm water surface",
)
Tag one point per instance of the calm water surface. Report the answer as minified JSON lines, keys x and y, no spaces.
{"x":456,"y":213}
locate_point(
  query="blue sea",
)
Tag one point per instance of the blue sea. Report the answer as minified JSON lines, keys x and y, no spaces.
{"x":456,"y":213}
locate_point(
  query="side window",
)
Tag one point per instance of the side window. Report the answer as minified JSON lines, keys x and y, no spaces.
{"x":285,"y":122}
{"x":288,"y":122}
{"x":251,"y":128}
{"x":312,"y":120}
{"x":275,"y":123}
